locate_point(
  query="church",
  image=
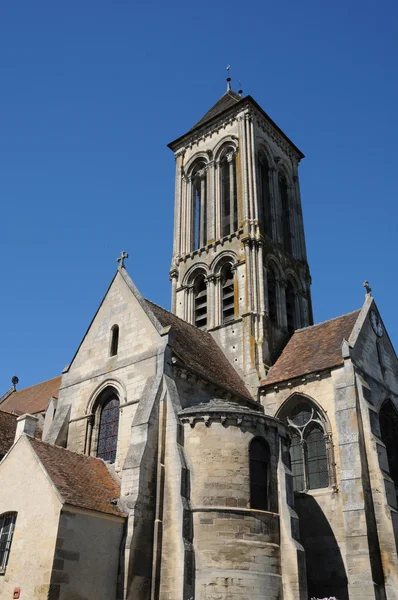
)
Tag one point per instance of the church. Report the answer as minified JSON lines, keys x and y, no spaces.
{"x":230,"y":449}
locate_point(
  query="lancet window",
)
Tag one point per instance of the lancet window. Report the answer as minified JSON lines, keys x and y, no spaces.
{"x":308,"y":450}
{"x":108,"y":429}
{"x":199,"y":205}
{"x":388,"y":419}
{"x":200,"y":301}
{"x":272,"y":296}
{"x":227,"y":293}
{"x":290,"y":308}
{"x":228,"y":189}
{"x":114,"y":340}
{"x":285,"y":209}
{"x":259,"y":458}
{"x":264,"y":193}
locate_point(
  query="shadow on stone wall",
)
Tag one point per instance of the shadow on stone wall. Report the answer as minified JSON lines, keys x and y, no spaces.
{"x":326,"y":573}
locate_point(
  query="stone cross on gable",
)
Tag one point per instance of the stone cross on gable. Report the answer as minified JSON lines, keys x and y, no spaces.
{"x":121,"y":259}
{"x":367,"y":287}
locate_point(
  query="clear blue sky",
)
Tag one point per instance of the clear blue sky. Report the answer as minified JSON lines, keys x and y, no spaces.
{"x":91,"y":93}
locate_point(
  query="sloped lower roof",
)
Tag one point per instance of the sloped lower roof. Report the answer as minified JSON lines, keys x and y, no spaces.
{"x":313,"y":349}
{"x":82,"y":481}
{"x":33,"y":399}
{"x":8,"y":426}
{"x":200,"y":352}
{"x":229,"y":99}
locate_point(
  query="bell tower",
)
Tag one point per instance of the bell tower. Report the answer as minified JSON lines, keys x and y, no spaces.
{"x":239,"y":266}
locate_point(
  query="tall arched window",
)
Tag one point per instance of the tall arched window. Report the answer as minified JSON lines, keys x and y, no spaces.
{"x":200,"y":301}
{"x":308,"y":452}
{"x":108,"y":429}
{"x":259,"y":457}
{"x":290,"y":308}
{"x":7,"y":526}
{"x":264,"y":193}
{"x":199,"y":205}
{"x":227,"y":294}
{"x":229,"y":205}
{"x":285,"y":209}
{"x":114,"y":340}
{"x":272,"y":297}
{"x":388,"y":419}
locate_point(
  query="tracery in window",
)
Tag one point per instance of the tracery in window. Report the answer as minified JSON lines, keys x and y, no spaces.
{"x":199,"y":204}
{"x":7,"y":526}
{"x":264,"y":193}
{"x":284,"y":196}
{"x":259,"y":458}
{"x":388,"y":419}
{"x":227,"y":293}
{"x":272,"y":296}
{"x":308,"y":452}
{"x":200,"y":301}
{"x":229,"y":205}
{"x":114,"y":340}
{"x":108,"y":429}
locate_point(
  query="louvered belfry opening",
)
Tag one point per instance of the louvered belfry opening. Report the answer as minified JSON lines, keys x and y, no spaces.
{"x":200,"y":295}
{"x":227,"y":289}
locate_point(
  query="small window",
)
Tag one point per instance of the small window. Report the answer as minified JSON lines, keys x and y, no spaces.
{"x":228,"y":296}
{"x":114,"y":340}
{"x":108,"y":430}
{"x":272,"y":303}
{"x":285,"y":209}
{"x":229,"y":208}
{"x":259,"y":456}
{"x":290,"y":308}
{"x":264,"y":193}
{"x":199,"y":203}
{"x":7,"y":526}
{"x":200,"y":300}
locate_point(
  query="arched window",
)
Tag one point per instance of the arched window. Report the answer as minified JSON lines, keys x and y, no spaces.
{"x":227,"y":294}
{"x":200,"y":302}
{"x":199,"y":204}
{"x":272,"y":298}
{"x":229,"y":205}
{"x":290,"y":307}
{"x":264,"y":193}
{"x":388,"y":419}
{"x":114,"y":340}
{"x":7,"y":526}
{"x":308,"y":453}
{"x":108,"y":429}
{"x":284,"y":196}
{"x":259,"y":457}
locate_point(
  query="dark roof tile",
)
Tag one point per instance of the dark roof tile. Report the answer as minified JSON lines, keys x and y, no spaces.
{"x":8,"y":426}
{"x":229,"y":99}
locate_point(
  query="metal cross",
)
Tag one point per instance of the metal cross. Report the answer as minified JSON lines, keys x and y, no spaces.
{"x":121,"y":259}
{"x":367,"y":287}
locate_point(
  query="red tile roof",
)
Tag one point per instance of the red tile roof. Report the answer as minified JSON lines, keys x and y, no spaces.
{"x":200,"y":352}
{"x":82,"y":481}
{"x":8,"y":426}
{"x":313,"y":349}
{"x":33,"y":399}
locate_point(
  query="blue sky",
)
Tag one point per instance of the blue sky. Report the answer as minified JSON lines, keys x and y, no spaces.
{"x":91,"y":93}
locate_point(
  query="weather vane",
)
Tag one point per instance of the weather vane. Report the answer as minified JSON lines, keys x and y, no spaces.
{"x":228,"y":79}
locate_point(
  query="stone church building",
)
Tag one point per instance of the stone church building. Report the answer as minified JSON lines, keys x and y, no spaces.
{"x":229,"y":449}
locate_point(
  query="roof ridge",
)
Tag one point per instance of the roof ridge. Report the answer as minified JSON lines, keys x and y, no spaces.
{"x":327,"y":321}
{"x":36,"y":384}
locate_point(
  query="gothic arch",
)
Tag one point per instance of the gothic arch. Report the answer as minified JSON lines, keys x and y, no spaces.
{"x":198,"y":157}
{"x":295,"y":397}
{"x":197,"y":269}
{"x":220,"y":260}
{"x":273,"y":262}
{"x":108,"y":383}
{"x":228,"y":141}
{"x":262,"y":146}
{"x":291,"y":276}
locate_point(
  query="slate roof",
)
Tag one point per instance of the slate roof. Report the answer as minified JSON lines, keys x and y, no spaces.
{"x":229,"y":99}
{"x":313,"y":349}
{"x":33,"y":399}
{"x":8,"y":426}
{"x":200,"y":352}
{"x":82,"y":481}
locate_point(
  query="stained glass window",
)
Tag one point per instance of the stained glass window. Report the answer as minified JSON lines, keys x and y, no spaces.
{"x":7,"y":525}
{"x":296,"y":462}
{"x":316,"y":459}
{"x":259,"y":461}
{"x":108,"y":429}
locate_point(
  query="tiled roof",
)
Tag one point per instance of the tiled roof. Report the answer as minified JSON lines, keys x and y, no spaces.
{"x":229,"y":99}
{"x":8,"y":425}
{"x":200,"y":352}
{"x":82,"y":481}
{"x":313,"y":349}
{"x":33,"y":399}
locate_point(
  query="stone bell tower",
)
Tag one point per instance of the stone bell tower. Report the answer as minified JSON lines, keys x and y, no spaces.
{"x":239,"y":266}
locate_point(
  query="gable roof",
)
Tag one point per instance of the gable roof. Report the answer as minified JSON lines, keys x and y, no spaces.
{"x":313,"y":349}
{"x":33,"y":399}
{"x":8,"y":426}
{"x":227,"y":100}
{"x":200,"y":353}
{"x":82,"y":481}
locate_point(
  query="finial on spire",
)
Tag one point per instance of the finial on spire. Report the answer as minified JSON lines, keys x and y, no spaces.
{"x":240,"y":91}
{"x":228,"y":79}
{"x":367,"y":287}
{"x":121,"y":259}
{"x":14,"y":382}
